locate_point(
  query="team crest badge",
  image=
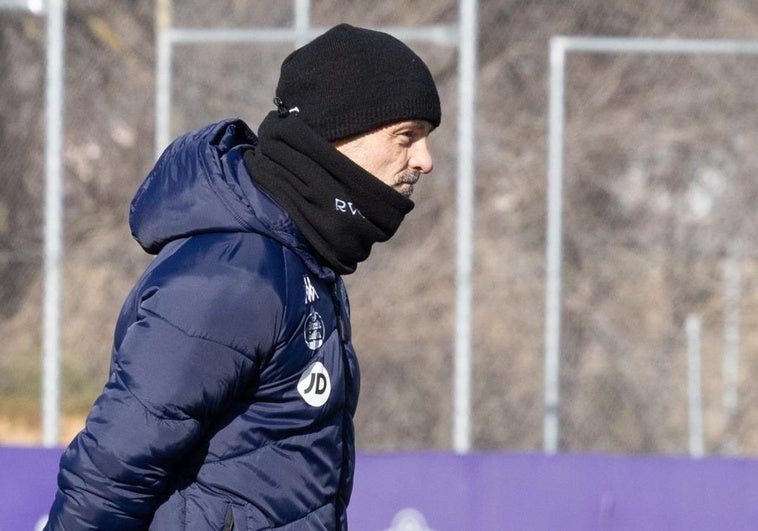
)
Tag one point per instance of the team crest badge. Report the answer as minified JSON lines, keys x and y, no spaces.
{"x":314,"y":331}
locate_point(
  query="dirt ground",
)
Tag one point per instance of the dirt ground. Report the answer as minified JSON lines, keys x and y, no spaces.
{"x":15,"y":431}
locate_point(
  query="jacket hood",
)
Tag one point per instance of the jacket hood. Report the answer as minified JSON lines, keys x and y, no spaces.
{"x":200,"y":185}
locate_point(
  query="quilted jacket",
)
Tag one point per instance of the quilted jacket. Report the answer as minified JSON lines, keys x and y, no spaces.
{"x":233,"y":381}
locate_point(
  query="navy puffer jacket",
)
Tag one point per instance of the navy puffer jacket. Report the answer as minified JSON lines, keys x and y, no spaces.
{"x":233,"y":381}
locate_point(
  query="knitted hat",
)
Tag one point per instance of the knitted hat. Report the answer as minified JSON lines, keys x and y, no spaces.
{"x":352,"y":80}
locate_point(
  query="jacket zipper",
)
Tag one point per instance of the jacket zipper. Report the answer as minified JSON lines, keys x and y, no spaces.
{"x":229,"y":520}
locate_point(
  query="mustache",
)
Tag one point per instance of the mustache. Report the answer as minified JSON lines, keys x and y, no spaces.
{"x":409,"y":177}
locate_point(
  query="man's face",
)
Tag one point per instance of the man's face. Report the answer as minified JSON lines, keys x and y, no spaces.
{"x":396,"y":154}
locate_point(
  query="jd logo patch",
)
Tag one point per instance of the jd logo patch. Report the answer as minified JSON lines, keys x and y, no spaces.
{"x":314,"y":331}
{"x":314,"y":385}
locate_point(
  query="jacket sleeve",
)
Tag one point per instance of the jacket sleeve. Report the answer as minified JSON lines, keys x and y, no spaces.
{"x":177,"y":365}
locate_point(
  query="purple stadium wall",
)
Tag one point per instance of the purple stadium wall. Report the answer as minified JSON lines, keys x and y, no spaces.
{"x":488,"y":492}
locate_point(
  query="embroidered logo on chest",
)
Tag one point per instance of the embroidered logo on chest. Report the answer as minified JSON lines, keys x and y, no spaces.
{"x":310,"y":292}
{"x":315,"y":386}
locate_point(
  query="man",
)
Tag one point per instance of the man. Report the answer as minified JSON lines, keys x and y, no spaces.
{"x":233,"y":381}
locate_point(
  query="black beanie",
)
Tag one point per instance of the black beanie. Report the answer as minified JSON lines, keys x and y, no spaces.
{"x":353,"y":80}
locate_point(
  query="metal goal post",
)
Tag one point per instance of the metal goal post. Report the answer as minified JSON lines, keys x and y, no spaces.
{"x":560,"y":46}
{"x":464,"y":36}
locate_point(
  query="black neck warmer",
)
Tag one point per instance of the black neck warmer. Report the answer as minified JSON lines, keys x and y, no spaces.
{"x":340,"y":208}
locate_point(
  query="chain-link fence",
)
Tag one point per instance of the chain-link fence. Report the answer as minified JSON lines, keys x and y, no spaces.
{"x":658,"y":195}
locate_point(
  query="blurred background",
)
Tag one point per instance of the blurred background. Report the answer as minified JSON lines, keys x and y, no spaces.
{"x":659,"y":196}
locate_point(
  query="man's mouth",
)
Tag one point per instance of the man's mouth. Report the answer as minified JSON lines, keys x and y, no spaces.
{"x":406,"y":181}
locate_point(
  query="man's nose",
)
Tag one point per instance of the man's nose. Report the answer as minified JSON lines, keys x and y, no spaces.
{"x":421,"y":158}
